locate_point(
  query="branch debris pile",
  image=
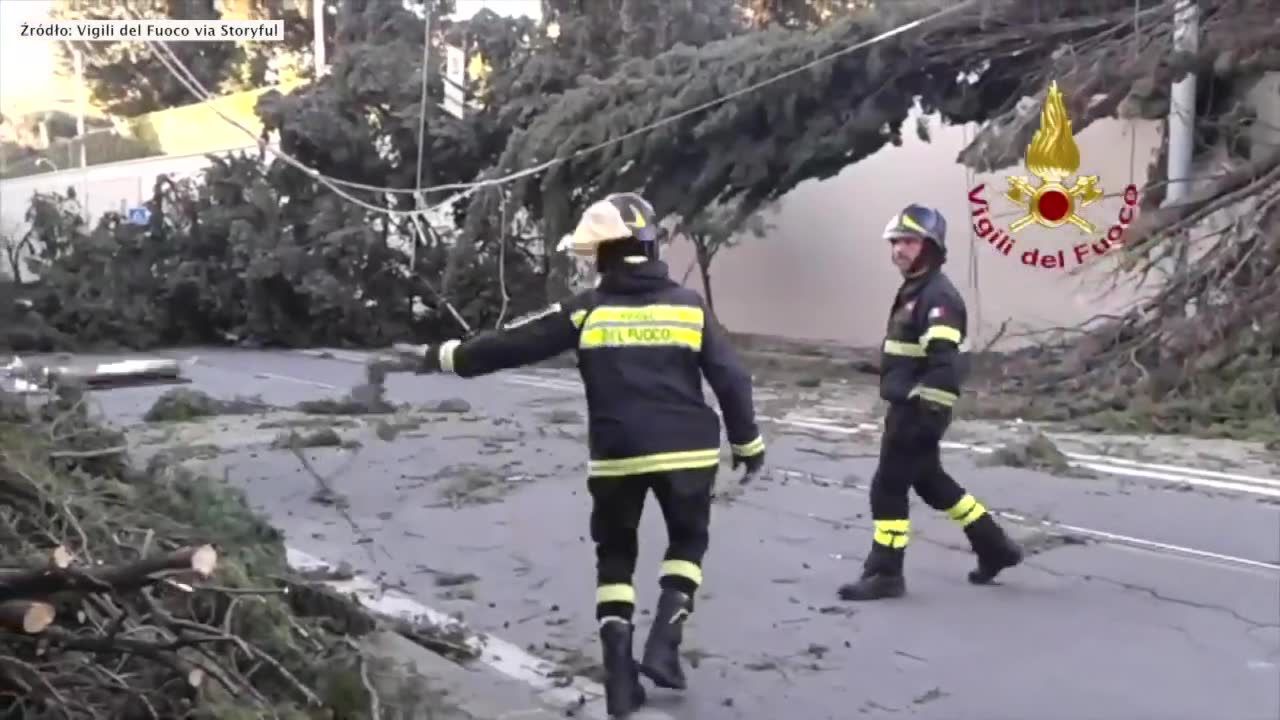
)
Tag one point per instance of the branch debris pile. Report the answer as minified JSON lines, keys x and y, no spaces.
{"x":127,"y":593}
{"x":1199,"y":353}
{"x":1202,"y":353}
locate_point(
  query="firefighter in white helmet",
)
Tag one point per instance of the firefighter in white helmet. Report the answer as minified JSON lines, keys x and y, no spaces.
{"x":644,"y":345}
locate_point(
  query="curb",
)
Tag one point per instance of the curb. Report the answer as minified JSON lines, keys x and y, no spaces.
{"x":465,"y":693}
{"x":506,"y":682}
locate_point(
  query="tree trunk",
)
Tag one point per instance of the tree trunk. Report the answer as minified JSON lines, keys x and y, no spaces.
{"x":704,"y":255}
{"x":557,"y":220}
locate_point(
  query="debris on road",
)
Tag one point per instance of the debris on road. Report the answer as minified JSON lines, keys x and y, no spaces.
{"x":389,"y":430}
{"x":1035,"y":453}
{"x":472,"y":484}
{"x":368,"y":398}
{"x":323,"y":437}
{"x":451,"y":405}
{"x":185,"y":404}
{"x":561,"y":416}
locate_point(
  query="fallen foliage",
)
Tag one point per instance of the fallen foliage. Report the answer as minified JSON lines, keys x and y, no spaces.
{"x":183,"y":404}
{"x":155,"y":593}
{"x":1037,"y":452}
{"x":1200,"y":356}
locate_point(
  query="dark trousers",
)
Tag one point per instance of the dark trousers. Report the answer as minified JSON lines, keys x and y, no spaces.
{"x":617,"y":503}
{"x":910,"y":457}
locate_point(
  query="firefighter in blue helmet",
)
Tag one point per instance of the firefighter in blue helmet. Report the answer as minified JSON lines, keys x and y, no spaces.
{"x":644,"y":344}
{"x":920,"y":376}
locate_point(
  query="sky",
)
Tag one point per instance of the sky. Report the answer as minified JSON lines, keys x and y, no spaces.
{"x":531,"y":8}
{"x":26,"y":65}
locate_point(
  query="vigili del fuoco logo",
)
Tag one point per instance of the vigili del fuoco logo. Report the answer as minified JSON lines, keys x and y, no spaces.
{"x":1053,"y":158}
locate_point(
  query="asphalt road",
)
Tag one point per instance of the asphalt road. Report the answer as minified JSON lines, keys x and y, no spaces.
{"x":1145,"y":598}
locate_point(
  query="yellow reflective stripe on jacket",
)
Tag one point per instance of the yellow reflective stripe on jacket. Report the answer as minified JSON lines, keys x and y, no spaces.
{"x":892,"y":533}
{"x":658,"y":462}
{"x":904,"y":349}
{"x":687,"y":314}
{"x":940,"y":332}
{"x":647,"y":325}
{"x":755,"y":447}
{"x":577,"y":316}
{"x":640,"y":336}
{"x":934,"y":395}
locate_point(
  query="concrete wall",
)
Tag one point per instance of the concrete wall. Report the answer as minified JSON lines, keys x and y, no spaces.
{"x":824,"y":273}
{"x":108,"y":188}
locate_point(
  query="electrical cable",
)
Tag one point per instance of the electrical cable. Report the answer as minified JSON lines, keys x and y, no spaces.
{"x":502,"y":258}
{"x":422,"y":124}
{"x":184,"y":76}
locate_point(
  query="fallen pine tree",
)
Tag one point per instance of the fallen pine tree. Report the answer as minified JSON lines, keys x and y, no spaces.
{"x":155,"y":593}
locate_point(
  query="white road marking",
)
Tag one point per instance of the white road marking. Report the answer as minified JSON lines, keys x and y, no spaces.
{"x":831,"y":483}
{"x":1178,"y":469}
{"x":828,"y":423}
{"x":1177,"y":474}
{"x":499,"y":655}
{"x":340,"y":355}
{"x":1153,"y":545}
{"x":540,"y":383}
{"x":1083,"y":458}
{"x":300,"y":381}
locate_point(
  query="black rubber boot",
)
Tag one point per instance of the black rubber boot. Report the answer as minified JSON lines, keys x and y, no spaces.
{"x":623,"y":693}
{"x":661,"y":662}
{"x":995,"y":550}
{"x":881,"y":576}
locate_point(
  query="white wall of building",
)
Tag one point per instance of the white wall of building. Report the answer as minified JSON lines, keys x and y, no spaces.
{"x":824,"y":273}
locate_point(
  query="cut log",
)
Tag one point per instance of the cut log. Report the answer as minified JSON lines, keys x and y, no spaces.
{"x":50,"y":581}
{"x":26,"y":617}
{"x":60,"y":558}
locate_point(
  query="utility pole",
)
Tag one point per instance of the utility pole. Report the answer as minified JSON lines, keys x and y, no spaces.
{"x":426,"y":76}
{"x":423,"y":106}
{"x":77,"y":59}
{"x":317,"y":42}
{"x":1182,"y":117}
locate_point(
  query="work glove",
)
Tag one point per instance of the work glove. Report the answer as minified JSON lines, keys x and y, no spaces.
{"x":933,"y":420}
{"x":753,"y":463}
{"x":420,"y":359}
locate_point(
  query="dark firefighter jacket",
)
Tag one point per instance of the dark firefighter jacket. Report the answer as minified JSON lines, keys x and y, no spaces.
{"x":921,"y":357}
{"x":644,"y":344}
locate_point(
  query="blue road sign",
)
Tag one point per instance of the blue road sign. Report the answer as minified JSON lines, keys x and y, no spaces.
{"x":139,"y":216}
